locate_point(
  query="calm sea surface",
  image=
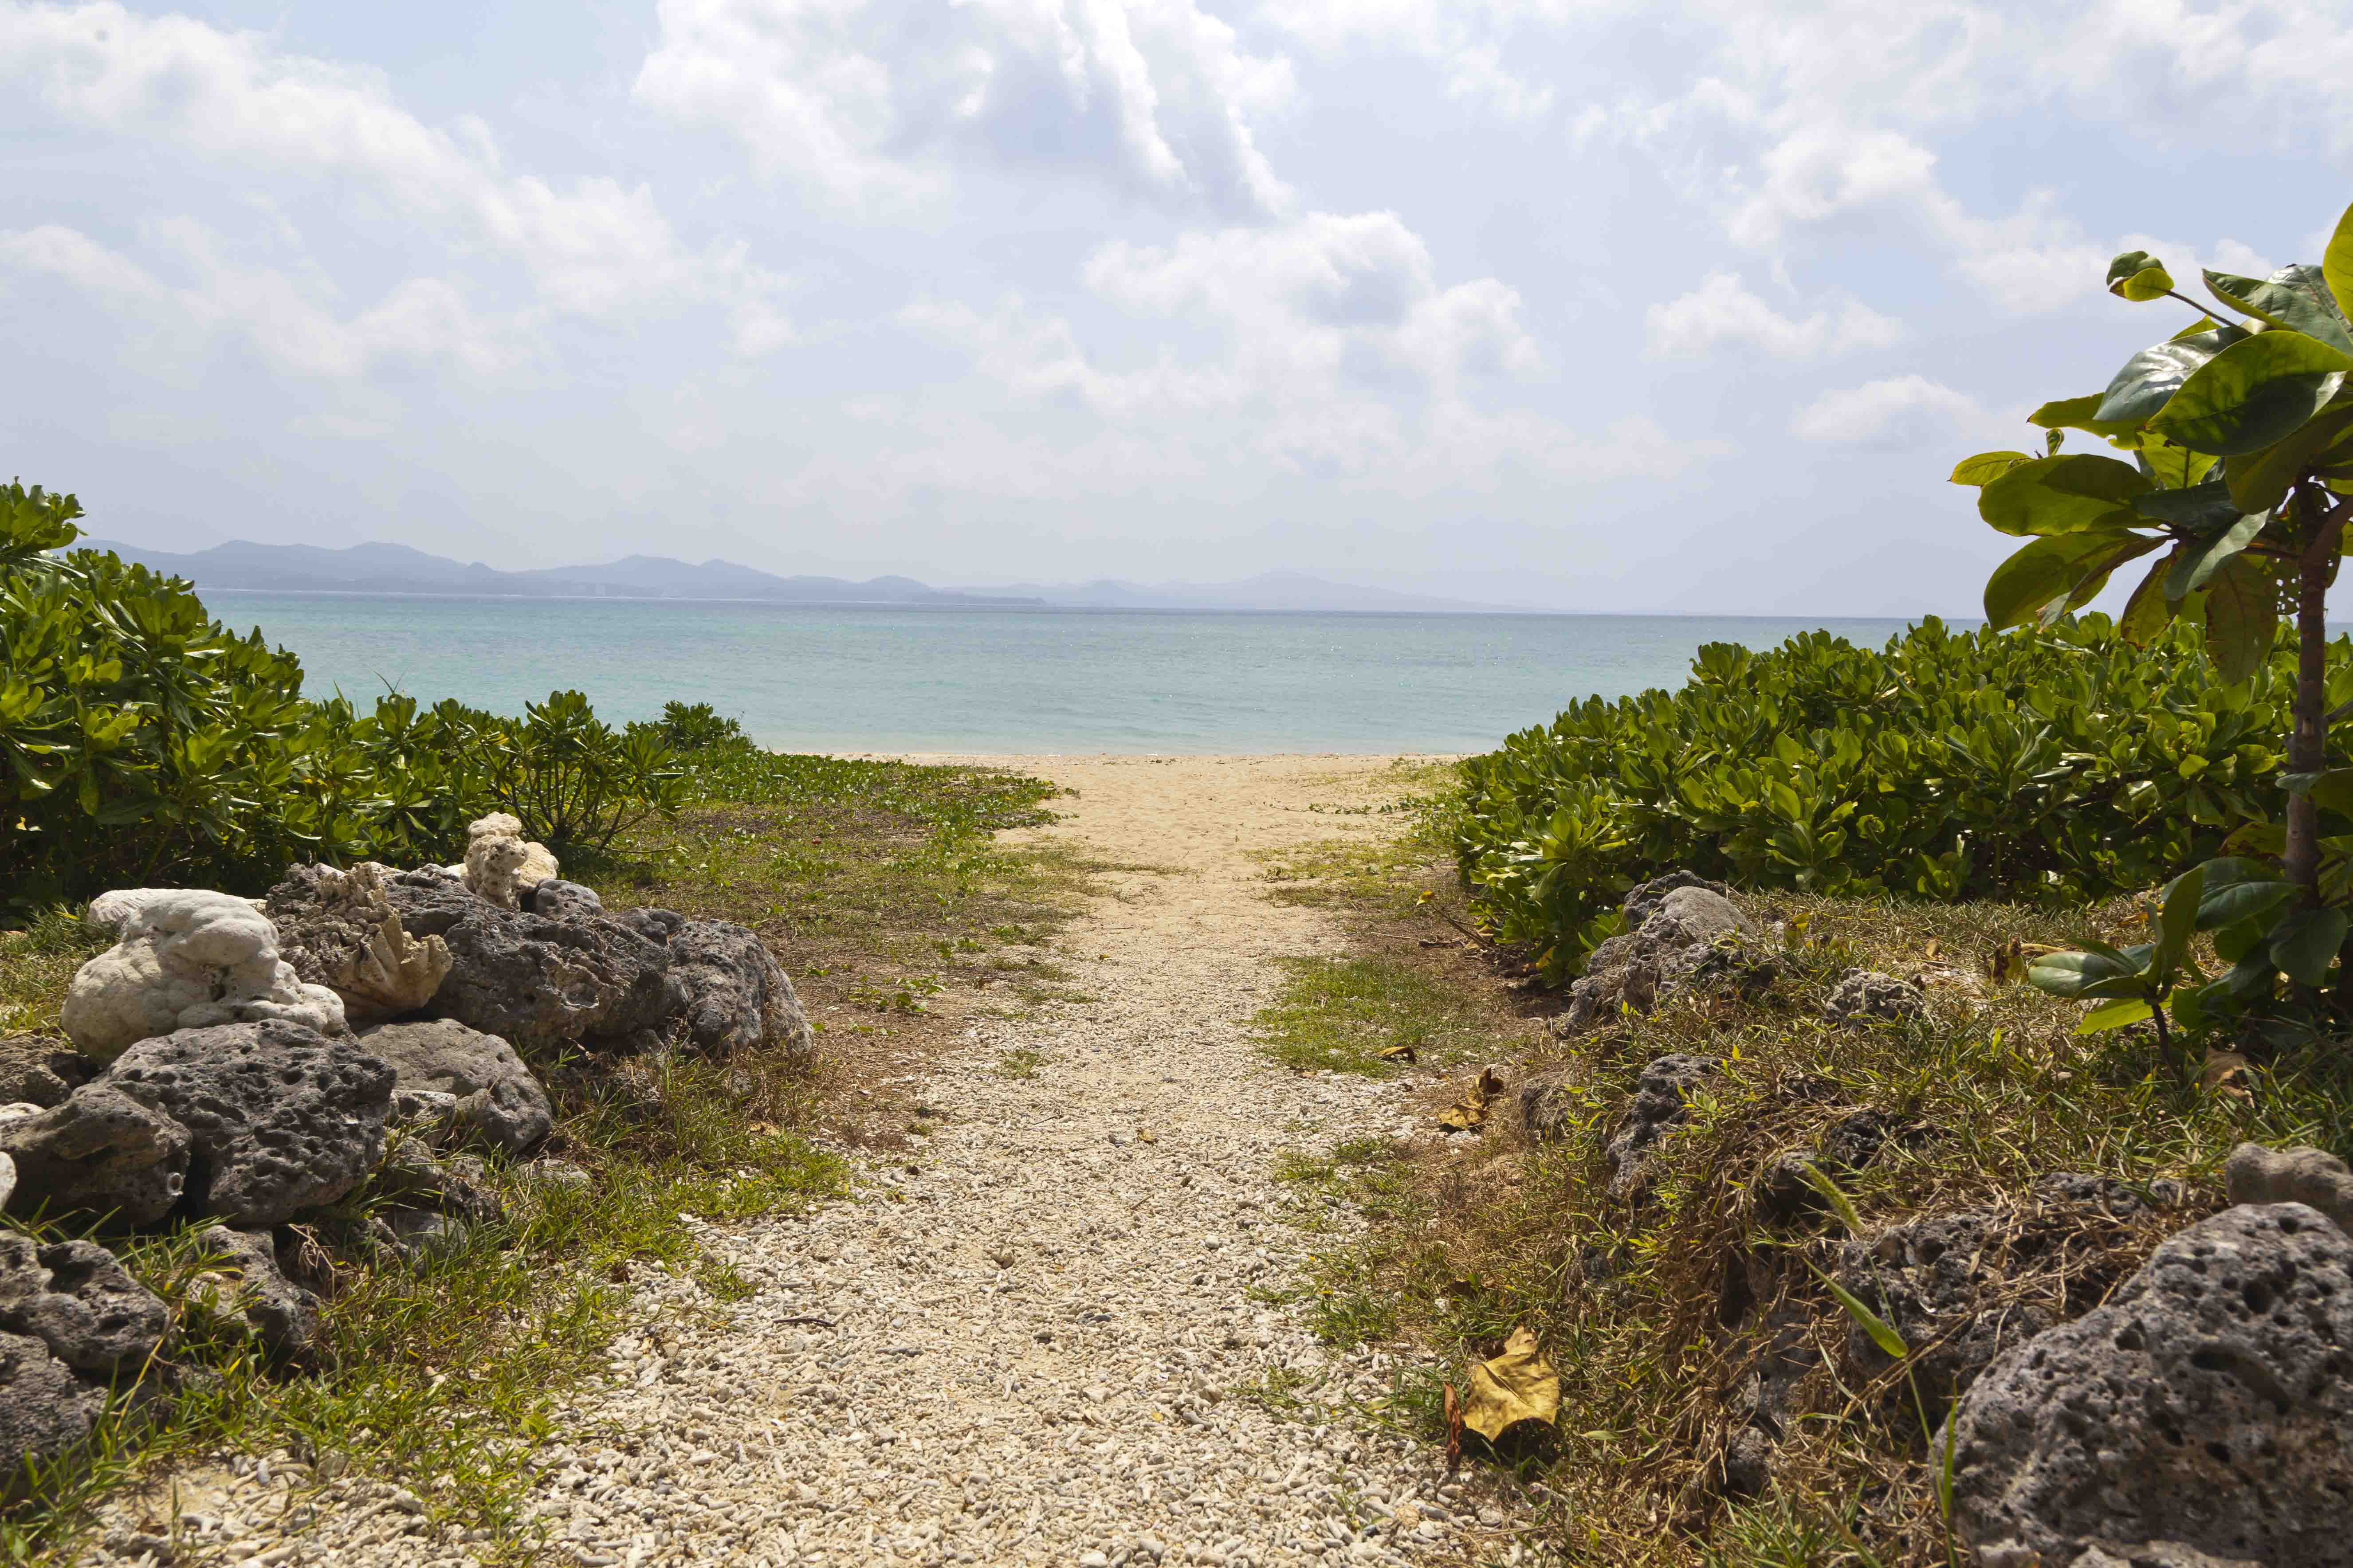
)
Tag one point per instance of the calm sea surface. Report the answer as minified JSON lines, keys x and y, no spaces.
{"x":881,"y":679}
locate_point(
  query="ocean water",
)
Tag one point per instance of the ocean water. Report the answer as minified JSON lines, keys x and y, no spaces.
{"x":1034,"y":682}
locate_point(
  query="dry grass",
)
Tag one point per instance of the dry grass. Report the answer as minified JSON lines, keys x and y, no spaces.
{"x":1658,"y":1311}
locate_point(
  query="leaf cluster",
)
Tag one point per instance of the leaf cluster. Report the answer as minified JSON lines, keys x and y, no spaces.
{"x":2058,"y":764}
{"x":142,"y":741}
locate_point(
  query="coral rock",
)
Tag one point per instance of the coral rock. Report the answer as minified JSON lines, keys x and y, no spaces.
{"x":280,"y":1119}
{"x":44,"y":1408}
{"x":2255,"y":1174}
{"x":1659,"y":1106}
{"x":562,"y":901}
{"x":499,"y":862}
{"x":488,"y":1094}
{"x":1670,"y":924}
{"x":76,"y":1299}
{"x":337,"y":929}
{"x":37,"y":1070}
{"x":1865,"y":995}
{"x":247,"y":1282}
{"x":2206,"y":1403}
{"x":99,"y":1152}
{"x":187,"y":960}
{"x":736,"y":995}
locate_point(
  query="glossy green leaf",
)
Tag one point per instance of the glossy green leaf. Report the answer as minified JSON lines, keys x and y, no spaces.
{"x":2057,"y":569}
{"x":2241,"y":617}
{"x":2235,"y":888}
{"x":2177,"y":922}
{"x":2260,"y":480}
{"x":1986,"y":466}
{"x":2204,"y":507}
{"x":2331,"y":790}
{"x":2076,"y":973}
{"x":2174,"y":468}
{"x":2252,"y":394}
{"x":2139,"y":276}
{"x":2148,"y":612}
{"x":2115,"y":1016}
{"x":2306,"y":943}
{"x":2150,"y":378}
{"x":2064,"y":495}
{"x":2295,"y":298}
{"x":2336,"y":264}
{"x":2197,"y":563}
{"x":2079,"y":414}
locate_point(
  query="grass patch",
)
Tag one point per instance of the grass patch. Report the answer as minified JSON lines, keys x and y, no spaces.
{"x":1020,"y":1063}
{"x":1357,"y":1014}
{"x":882,"y":890}
{"x":1656,"y":1312}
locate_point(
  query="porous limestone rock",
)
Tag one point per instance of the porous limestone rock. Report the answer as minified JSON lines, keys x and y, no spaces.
{"x":1669,"y":925}
{"x":101,"y":1151}
{"x":337,"y":929}
{"x":2255,"y":1174}
{"x":187,"y":960}
{"x":2206,"y":1403}
{"x":1866,"y":996}
{"x":246,"y":1282}
{"x":499,"y":862}
{"x":1660,"y":1098}
{"x":44,"y":1408}
{"x":1964,"y":1286}
{"x":7,"y":1179}
{"x":461,"y":1083}
{"x":736,"y":995}
{"x":115,"y":910}
{"x":562,"y":901}
{"x":37,"y":1070}
{"x":280,"y":1119}
{"x":536,"y":982}
{"x":76,"y":1299}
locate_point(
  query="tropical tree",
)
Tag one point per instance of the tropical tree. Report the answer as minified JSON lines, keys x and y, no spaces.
{"x":2237,"y":440}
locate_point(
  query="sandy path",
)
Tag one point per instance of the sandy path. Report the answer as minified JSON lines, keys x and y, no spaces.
{"x":1037,"y":1325}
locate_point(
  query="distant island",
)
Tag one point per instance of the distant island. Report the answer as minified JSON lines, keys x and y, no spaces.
{"x":242,"y":565}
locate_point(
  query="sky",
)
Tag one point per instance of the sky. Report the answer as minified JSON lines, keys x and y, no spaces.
{"x":1679,"y":306}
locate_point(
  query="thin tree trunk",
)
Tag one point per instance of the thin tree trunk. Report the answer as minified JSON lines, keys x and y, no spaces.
{"x":2308,"y":747}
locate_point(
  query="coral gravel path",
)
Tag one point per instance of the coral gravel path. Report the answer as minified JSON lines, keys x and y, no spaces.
{"x":1023,"y":1342}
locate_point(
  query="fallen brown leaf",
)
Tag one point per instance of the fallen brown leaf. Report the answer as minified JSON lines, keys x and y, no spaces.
{"x":1400,"y":1053}
{"x":1467,"y":1113}
{"x":1518,"y":1385}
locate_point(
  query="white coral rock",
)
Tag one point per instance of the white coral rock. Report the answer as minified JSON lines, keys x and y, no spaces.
{"x":187,"y":958}
{"x":115,"y":910}
{"x":500,"y":861}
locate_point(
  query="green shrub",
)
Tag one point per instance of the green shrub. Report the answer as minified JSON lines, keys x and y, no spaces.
{"x":145,"y":742}
{"x":2063,"y":764}
{"x":693,"y":727}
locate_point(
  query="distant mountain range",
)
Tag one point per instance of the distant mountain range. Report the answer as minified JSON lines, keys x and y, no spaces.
{"x":398,"y":569}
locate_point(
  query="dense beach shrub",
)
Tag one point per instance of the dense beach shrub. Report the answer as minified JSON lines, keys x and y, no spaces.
{"x":2063,"y":762}
{"x":145,"y":742}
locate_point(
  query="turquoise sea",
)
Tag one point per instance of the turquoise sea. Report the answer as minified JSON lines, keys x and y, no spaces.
{"x":1026,"y":681}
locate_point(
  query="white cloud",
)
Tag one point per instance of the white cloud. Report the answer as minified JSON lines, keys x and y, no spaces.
{"x":420,"y":320}
{"x":877,"y":102}
{"x":1326,"y":345}
{"x":1723,"y":311}
{"x":1468,"y":41}
{"x":1893,"y":414}
{"x":244,"y":109}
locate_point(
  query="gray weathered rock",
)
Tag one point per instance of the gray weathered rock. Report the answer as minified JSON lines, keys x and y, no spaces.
{"x":537,"y":982}
{"x":413,"y":1177}
{"x":2255,"y":1174}
{"x":74,"y":1297}
{"x":1784,"y":1194}
{"x":44,"y":1408}
{"x":101,"y":1151}
{"x":562,"y":901}
{"x":1658,"y":1101}
{"x":2154,"y":1554}
{"x":338,"y":930}
{"x":492,"y":1095}
{"x":1549,"y":1106}
{"x":736,"y":996}
{"x":1671,"y":922}
{"x":280,"y":1118}
{"x":1866,"y":996}
{"x":37,"y":1070}
{"x":247,"y":1281}
{"x":2207,"y":1402}
{"x":1964,"y":1287}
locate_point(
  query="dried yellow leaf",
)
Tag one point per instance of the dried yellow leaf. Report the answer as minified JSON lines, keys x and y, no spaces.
{"x":1518,"y":1385}
{"x":1468,"y":1112}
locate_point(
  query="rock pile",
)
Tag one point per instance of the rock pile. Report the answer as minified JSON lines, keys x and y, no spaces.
{"x":215,"y":1078}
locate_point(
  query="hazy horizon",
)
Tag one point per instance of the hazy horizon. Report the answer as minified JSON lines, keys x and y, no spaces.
{"x":1598,"y":309}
